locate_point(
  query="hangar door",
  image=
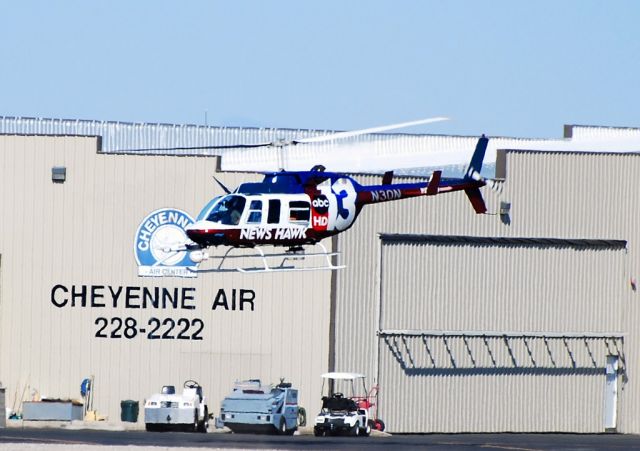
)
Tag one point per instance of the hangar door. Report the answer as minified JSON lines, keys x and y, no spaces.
{"x":507,"y":334}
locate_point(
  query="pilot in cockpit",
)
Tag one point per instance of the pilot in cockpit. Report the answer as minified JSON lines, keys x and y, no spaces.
{"x":228,"y":211}
{"x":235,"y":210}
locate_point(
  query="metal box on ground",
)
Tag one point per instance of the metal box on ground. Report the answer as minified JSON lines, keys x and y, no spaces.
{"x":54,"y":411}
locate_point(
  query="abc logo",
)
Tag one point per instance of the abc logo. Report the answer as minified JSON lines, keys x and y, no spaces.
{"x":320,"y":204}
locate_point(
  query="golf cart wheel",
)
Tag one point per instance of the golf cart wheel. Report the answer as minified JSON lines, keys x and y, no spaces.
{"x":355,"y":430}
{"x":318,"y":432}
{"x":366,"y":431}
{"x":378,"y":424}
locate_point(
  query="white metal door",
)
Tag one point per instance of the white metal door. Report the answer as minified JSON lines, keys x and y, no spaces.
{"x":611,"y":393}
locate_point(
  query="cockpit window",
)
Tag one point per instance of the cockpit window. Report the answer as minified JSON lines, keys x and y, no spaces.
{"x":228,"y":211}
{"x":204,"y":213}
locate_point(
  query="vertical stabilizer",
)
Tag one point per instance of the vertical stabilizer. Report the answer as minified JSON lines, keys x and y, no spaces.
{"x":473,"y":171}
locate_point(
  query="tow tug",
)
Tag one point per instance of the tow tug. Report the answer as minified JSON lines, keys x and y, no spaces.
{"x":167,"y":409}
{"x":257,"y":408}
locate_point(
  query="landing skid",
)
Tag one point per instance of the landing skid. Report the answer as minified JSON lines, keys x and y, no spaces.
{"x":284,"y":261}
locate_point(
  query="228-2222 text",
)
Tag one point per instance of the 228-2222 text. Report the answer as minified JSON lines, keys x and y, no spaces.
{"x":167,"y":329}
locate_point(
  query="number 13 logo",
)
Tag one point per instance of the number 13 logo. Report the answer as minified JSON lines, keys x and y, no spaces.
{"x":346,"y":196}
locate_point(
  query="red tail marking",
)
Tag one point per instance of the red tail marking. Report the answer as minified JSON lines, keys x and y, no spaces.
{"x":433,"y":183}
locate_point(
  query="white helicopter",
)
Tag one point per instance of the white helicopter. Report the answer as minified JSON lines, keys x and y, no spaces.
{"x":294,"y":209}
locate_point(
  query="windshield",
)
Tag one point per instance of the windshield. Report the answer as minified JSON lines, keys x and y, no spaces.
{"x":204,"y":213}
{"x":228,"y":211}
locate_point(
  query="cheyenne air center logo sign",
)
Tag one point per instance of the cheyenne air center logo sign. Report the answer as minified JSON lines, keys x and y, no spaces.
{"x":156,"y":238}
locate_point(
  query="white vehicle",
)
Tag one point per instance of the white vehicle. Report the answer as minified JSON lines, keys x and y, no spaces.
{"x":186,"y":411}
{"x":340,"y":413}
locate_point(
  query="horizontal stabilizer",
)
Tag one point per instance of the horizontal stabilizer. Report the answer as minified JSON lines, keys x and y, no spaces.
{"x":475,"y":197}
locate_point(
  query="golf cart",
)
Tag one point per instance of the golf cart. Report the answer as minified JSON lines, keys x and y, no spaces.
{"x":186,"y":411}
{"x":346,"y":414}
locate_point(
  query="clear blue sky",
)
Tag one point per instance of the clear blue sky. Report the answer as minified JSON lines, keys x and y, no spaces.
{"x":512,"y":68}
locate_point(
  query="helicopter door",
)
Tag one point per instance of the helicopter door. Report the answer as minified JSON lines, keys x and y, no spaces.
{"x":273,"y":216}
{"x":255,"y":212}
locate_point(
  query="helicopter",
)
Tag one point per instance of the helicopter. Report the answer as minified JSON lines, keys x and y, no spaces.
{"x":297,"y":209}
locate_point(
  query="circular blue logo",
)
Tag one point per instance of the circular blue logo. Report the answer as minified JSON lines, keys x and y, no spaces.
{"x":159,"y":241}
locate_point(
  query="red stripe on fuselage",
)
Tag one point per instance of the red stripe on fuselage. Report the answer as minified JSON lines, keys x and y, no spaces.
{"x":249,"y":237}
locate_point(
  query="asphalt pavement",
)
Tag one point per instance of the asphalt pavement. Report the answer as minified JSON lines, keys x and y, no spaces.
{"x":78,"y":436}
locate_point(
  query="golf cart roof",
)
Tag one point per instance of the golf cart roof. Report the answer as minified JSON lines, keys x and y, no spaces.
{"x":348,"y":376}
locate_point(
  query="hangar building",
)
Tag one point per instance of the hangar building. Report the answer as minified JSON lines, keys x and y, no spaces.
{"x":518,"y":320}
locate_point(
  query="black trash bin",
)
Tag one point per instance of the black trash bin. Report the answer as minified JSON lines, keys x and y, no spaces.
{"x":129,"y":411}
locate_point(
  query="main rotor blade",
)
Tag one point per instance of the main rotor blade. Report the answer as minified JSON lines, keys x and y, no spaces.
{"x":383,"y":128}
{"x":282,"y":143}
{"x":226,"y":190}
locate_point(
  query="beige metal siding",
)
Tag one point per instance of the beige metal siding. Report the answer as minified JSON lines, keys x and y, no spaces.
{"x":452,"y":287}
{"x":81,"y":233}
{"x":493,"y":403}
{"x":466,"y":384}
{"x":552,"y":195}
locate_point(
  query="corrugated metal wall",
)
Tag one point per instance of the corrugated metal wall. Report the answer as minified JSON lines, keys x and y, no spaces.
{"x":552,"y":195}
{"x":494,"y":402}
{"x":501,"y":287}
{"x":521,"y":385}
{"x":81,"y":233}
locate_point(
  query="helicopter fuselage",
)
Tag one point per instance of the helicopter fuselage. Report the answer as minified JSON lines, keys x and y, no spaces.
{"x":298,"y":208}
{"x":279,"y":211}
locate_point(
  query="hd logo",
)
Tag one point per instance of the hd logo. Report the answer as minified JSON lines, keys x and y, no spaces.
{"x":320,"y":216}
{"x":156,"y":238}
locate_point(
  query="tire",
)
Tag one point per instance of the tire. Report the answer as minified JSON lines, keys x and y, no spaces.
{"x":204,"y":424}
{"x":378,"y":425}
{"x":355,"y":430}
{"x":302,"y":417}
{"x":317,"y":432}
{"x":282,"y":429}
{"x":366,"y":431}
{"x":196,"y":424}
